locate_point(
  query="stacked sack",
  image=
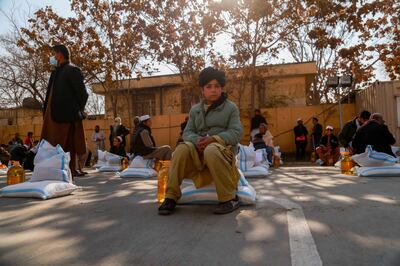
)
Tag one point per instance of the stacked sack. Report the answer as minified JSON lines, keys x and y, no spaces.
{"x":140,"y":167}
{"x":51,"y":176}
{"x":376,"y":164}
{"x":110,"y":163}
{"x":101,"y":159}
{"x":252,"y":163}
{"x":208,"y":194}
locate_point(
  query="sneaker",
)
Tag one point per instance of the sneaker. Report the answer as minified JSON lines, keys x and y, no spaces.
{"x":228,"y":206}
{"x":167,"y":207}
{"x":319,"y":162}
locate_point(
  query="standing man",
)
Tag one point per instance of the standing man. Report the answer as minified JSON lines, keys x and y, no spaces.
{"x":136,"y":122}
{"x":118,"y":130}
{"x":64,"y":106}
{"x":316,"y":134}
{"x":255,"y":123}
{"x":300,"y":135}
{"x":17,"y":140}
{"x":98,"y":138}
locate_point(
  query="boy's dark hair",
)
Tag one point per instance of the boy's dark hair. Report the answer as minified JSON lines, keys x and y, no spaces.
{"x":210,"y":73}
{"x":30,"y":133}
{"x":60,"y":48}
{"x":365,"y":115}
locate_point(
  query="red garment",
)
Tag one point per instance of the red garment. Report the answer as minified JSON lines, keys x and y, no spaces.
{"x":28,"y":143}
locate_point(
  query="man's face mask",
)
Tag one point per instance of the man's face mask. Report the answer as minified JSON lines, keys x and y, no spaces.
{"x":53,"y":61}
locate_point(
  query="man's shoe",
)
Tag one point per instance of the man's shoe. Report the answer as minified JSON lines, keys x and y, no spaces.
{"x":167,"y":207}
{"x":228,"y":206}
{"x":76,"y":173}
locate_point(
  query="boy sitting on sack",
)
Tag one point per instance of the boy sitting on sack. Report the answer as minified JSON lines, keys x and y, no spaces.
{"x":210,"y":144}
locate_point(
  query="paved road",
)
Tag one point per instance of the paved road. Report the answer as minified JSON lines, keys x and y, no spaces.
{"x":305,"y":216}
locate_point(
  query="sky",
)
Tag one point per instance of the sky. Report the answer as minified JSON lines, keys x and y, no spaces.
{"x":62,"y":7}
{"x":23,"y":8}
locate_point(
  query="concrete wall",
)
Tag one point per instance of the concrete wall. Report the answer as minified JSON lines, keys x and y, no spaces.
{"x":166,"y":128}
{"x":20,"y":116}
{"x":384,"y":98}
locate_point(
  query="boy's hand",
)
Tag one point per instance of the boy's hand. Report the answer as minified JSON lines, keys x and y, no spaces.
{"x":203,"y":142}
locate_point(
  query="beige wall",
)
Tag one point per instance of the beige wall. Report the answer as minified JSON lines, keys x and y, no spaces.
{"x":19,"y":116}
{"x":166,"y":128}
{"x":381,"y":98}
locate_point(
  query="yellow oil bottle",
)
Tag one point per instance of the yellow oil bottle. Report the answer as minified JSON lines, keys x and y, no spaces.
{"x":162,"y":181}
{"x":16,"y":174}
{"x":124,"y":163}
{"x":347,"y":164}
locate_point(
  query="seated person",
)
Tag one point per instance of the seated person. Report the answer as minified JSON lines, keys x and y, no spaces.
{"x":117,"y":147}
{"x":263,"y":140}
{"x":346,"y":135}
{"x":18,"y":153}
{"x":4,"y":154}
{"x":144,"y":144}
{"x":328,"y":148}
{"x":210,"y":144}
{"x":29,"y":141}
{"x":375,"y":133}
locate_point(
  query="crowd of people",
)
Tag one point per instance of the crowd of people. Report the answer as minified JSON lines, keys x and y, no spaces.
{"x":363,"y":130}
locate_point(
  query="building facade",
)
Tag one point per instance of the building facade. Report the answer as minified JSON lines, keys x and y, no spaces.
{"x":279,"y":85}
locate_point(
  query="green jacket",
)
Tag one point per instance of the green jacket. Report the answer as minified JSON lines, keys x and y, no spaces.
{"x":223,"y":121}
{"x":347,"y":133}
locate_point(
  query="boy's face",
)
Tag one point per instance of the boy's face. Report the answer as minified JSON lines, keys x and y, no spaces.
{"x":212,"y":91}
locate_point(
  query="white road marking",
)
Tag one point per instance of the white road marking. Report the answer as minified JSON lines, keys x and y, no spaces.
{"x":303,"y":251}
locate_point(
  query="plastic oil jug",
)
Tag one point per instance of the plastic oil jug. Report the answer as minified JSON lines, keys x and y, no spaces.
{"x":347,"y":164}
{"x":277,"y":161}
{"x":15,"y":174}
{"x":162,"y":181}
{"x":124,"y":163}
{"x":313,"y":157}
